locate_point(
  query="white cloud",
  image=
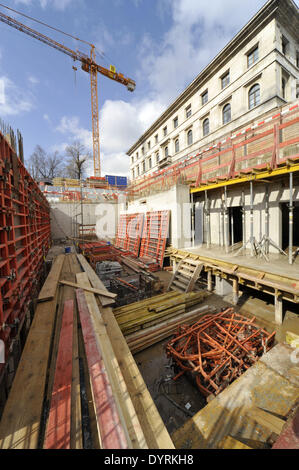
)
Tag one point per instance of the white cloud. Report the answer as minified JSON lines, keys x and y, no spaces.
{"x":56,"y":4}
{"x":14,"y":100}
{"x":33,"y":80}
{"x":121,"y":123}
{"x":198,"y":32}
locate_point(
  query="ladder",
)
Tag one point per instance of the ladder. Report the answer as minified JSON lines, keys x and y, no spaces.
{"x":187,"y":273}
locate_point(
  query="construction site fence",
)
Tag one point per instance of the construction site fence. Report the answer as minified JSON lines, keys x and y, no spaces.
{"x":24,"y":242}
{"x":265,"y":145}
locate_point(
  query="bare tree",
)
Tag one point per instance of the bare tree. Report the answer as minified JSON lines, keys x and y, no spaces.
{"x":77,"y":156}
{"x":43,"y":165}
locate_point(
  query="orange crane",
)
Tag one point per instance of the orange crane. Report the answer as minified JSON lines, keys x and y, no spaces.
{"x":89,"y":65}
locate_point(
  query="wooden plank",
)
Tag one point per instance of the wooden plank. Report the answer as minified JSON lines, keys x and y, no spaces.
{"x":266,"y":419}
{"x":230,"y":442}
{"x":58,"y":430}
{"x":110,"y":429}
{"x":154,"y":430}
{"x":21,"y":420}
{"x":89,"y":289}
{"x":126,"y":409}
{"x":50,"y":286}
{"x":94,"y":280}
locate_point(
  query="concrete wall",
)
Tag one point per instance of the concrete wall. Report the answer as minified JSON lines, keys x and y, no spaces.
{"x":64,"y":222}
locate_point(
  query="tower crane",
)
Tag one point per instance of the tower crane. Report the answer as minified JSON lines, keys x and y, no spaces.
{"x":89,"y":65}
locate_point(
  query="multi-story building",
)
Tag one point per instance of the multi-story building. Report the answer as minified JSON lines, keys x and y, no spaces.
{"x":256,"y":72}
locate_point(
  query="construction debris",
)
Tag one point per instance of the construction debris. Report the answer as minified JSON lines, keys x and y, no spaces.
{"x":218,"y":349}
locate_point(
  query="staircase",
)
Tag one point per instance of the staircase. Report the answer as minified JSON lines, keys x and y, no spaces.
{"x":186,"y":275}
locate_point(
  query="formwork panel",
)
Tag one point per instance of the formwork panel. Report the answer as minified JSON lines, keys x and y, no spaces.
{"x":24,"y":240}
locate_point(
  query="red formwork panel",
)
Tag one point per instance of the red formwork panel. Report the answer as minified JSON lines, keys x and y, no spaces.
{"x":129,"y":232}
{"x":24,"y":240}
{"x":154,"y":236}
{"x":134,"y":232}
{"x":121,"y":234}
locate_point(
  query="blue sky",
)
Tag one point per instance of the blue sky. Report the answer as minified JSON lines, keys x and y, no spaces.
{"x":161,"y":44}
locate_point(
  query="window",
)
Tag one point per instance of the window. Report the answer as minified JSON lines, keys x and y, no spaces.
{"x":283,"y":88}
{"x":204,"y":97}
{"x":143,"y":167}
{"x":254,"y":96}
{"x":188,"y":111}
{"x":132,"y":159}
{"x":150,"y":163}
{"x":206,"y":127}
{"x":177,"y":146}
{"x":175,"y":122}
{"x":156,"y":138}
{"x":138,"y":170}
{"x":166,"y":151}
{"x":190,"y":137}
{"x":142,"y":150}
{"x":165,"y":130}
{"x":284,"y":45}
{"x":136,"y":156}
{"x":157,"y":157}
{"x":149,"y":144}
{"x":226,"y":113}
{"x":253,"y":57}
{"x":133,"y":174}
{"x":225,"y":79}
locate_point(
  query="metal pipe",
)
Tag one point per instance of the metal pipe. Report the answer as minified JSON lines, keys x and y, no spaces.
{"x":222,"y":224}
{"x":243,"y":221}
{"x":226,"y":225}
{"x":291,"y":214}
{"x":207,"y":211}
{"x":267,"y":220}
{"x":251,"y":219}
{"x":192,"y":221}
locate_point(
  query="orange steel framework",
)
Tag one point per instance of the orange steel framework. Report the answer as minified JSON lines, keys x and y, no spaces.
{"x":24,"y":240}
{"x":267,"y":145}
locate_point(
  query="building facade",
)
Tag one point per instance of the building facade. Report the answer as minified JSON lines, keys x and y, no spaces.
{"x":255,"y":73}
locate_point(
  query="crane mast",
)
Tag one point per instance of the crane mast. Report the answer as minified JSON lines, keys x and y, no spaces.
{"x":89,"y":65}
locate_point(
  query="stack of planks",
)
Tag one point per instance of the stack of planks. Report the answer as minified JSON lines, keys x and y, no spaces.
{"x":75,"y":365}
{"x":152,"y":311}
{"x":147,"y":337}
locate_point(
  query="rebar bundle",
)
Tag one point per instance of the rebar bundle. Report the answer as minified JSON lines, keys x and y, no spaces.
{"x":218,"y":349}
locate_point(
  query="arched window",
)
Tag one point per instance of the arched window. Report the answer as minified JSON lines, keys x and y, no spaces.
{"x":254,"y":96}
{"x":177,"y":146}
{"x":166,"y":151}
{"x":226,"y":113}
{"x":206,"y":127}
{"x":190,"y":137}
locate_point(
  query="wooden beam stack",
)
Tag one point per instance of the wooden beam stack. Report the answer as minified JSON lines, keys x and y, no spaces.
{"x":152,"y":311}
{"x":74,"y":324}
